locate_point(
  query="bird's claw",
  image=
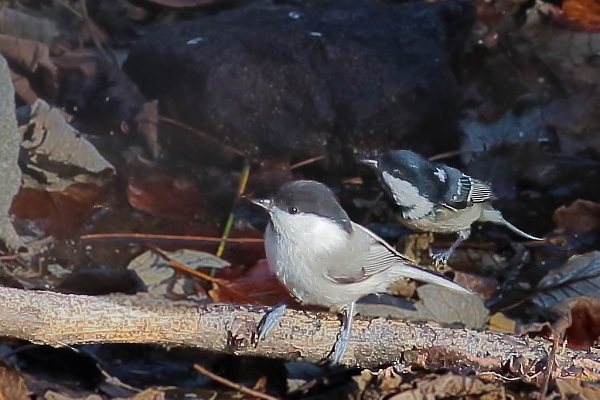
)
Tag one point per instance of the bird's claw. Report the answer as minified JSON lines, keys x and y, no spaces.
{"x":441,"y":259}
{"x":341,"y":346}
{"x":269,"y":321}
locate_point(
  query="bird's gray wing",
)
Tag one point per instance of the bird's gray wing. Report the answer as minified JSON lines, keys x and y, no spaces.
{"x":464,"y":190}
{"x":381,"y":257}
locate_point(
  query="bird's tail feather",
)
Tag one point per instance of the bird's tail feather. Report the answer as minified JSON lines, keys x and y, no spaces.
{"x":420,"y":274}
{"x":491,"y":215}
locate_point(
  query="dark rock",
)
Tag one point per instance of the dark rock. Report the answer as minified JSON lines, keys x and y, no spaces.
{"x":291,"y":81}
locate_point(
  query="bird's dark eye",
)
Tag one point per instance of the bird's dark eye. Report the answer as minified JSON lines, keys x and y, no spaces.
{"x":293,"y":210}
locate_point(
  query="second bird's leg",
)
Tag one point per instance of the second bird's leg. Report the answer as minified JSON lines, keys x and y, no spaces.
{"x":270,"y":320}
{"x":343,"y":339}
{"x":442,"y":258}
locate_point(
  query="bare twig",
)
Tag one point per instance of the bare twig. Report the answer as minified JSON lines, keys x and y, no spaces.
{"x":176,"y":265}
{"x":234,"y":385}
{"x":203,"y":135}
{"x":142,"y":238}
{"x":549,"y":368}
{"x":230,"y":220}
{"x":306,"y":162}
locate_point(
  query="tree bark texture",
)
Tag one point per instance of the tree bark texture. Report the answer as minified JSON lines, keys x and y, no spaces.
{"x":59,"y":319}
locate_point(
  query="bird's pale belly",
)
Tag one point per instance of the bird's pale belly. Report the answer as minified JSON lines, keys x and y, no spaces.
{"x":445,"y":221}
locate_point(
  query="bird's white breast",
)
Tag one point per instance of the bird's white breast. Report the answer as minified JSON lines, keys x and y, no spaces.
{"x":408,"y":196}
{"x":295,"y":243}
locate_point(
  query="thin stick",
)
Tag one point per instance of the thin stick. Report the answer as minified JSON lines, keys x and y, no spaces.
{"x":92,"y":28}
{"x":549,"y":367}
{"x":176,"y":265}
{"x":142,"y":237}
{"x":182,"y":267}
{"x":240,"y":191}
{"x":447,"y":154}
{"x":306,"y":162}
{"x":234,"y":385}
{"x":203,"y":135}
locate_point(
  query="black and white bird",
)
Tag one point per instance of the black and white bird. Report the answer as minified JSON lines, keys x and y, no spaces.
{"x":437,"y":198}
{"x":324,"y":258}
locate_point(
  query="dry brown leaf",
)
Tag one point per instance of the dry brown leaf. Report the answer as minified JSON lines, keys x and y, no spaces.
{"x":52,"y":395}
{"x":580,"y":321}
{"x":450,"y":307}
{"x":258,"y":285}
{"x":24,"y":26}
{"x":582,"y":14}
{"x":449,"y":386}
{"x":500,"y":323}
{"x":28,"y":56}
{"x":58,"y":152}
{"x":12,"y":385}
{"x":147,"y":126}
{"x":60,"y":214}
{"x":579,"y":217}
{"x":149,"y":394}
{"x":572,"y":388}
{"x":579,"y":276}
{"x":23,"y":89}
{"x":162,"y":280}
{"x":485,"y":287}
{"x":146,"y":192}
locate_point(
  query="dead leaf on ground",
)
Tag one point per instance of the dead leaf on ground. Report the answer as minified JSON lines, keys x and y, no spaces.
{"x":580,"y":322}
{"x":572,"y":388}
{"x":147,"y":192}
{"x":485,"y":286}
{"x":52,"y":395}
{"x":436,"y":304}
{"x":381,"y":383}
{"x":580,"y":217}
{"x":451,"y":385}
{"x":580,"y":276}
{"x":569,"y":55}
{"x":582,"y":14}
{"x":148,"y":394}
{"x":500,"y":323}
{"x":160,"y":279}
{"x":23,"y":89}
{"x":57,"y":155}
{"x":428,"y":387}
{"x":12,"y":385}
{"x":450,"y":307}
{"x":60,"y":214}
{"x":258,"y":284}
{"x":31,"y":60}
{"x":25,"y":26}
{"x":147,"y":127}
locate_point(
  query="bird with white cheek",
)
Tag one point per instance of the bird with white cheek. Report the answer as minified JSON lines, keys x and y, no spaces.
{"x":325,"y":259}
{"x":437,"y":198}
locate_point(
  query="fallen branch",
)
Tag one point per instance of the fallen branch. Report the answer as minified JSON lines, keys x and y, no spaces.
{"x":57,"y":319}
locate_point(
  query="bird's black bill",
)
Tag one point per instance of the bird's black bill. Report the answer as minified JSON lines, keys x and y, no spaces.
{"x":267,"y":204}
{"x":369,"y":162}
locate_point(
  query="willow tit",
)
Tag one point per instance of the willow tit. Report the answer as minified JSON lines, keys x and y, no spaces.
{"x":324,"y":258}
{"x":437,"y":198}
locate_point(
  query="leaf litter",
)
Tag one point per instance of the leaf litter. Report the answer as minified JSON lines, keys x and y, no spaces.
{"x":563,"y":39}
